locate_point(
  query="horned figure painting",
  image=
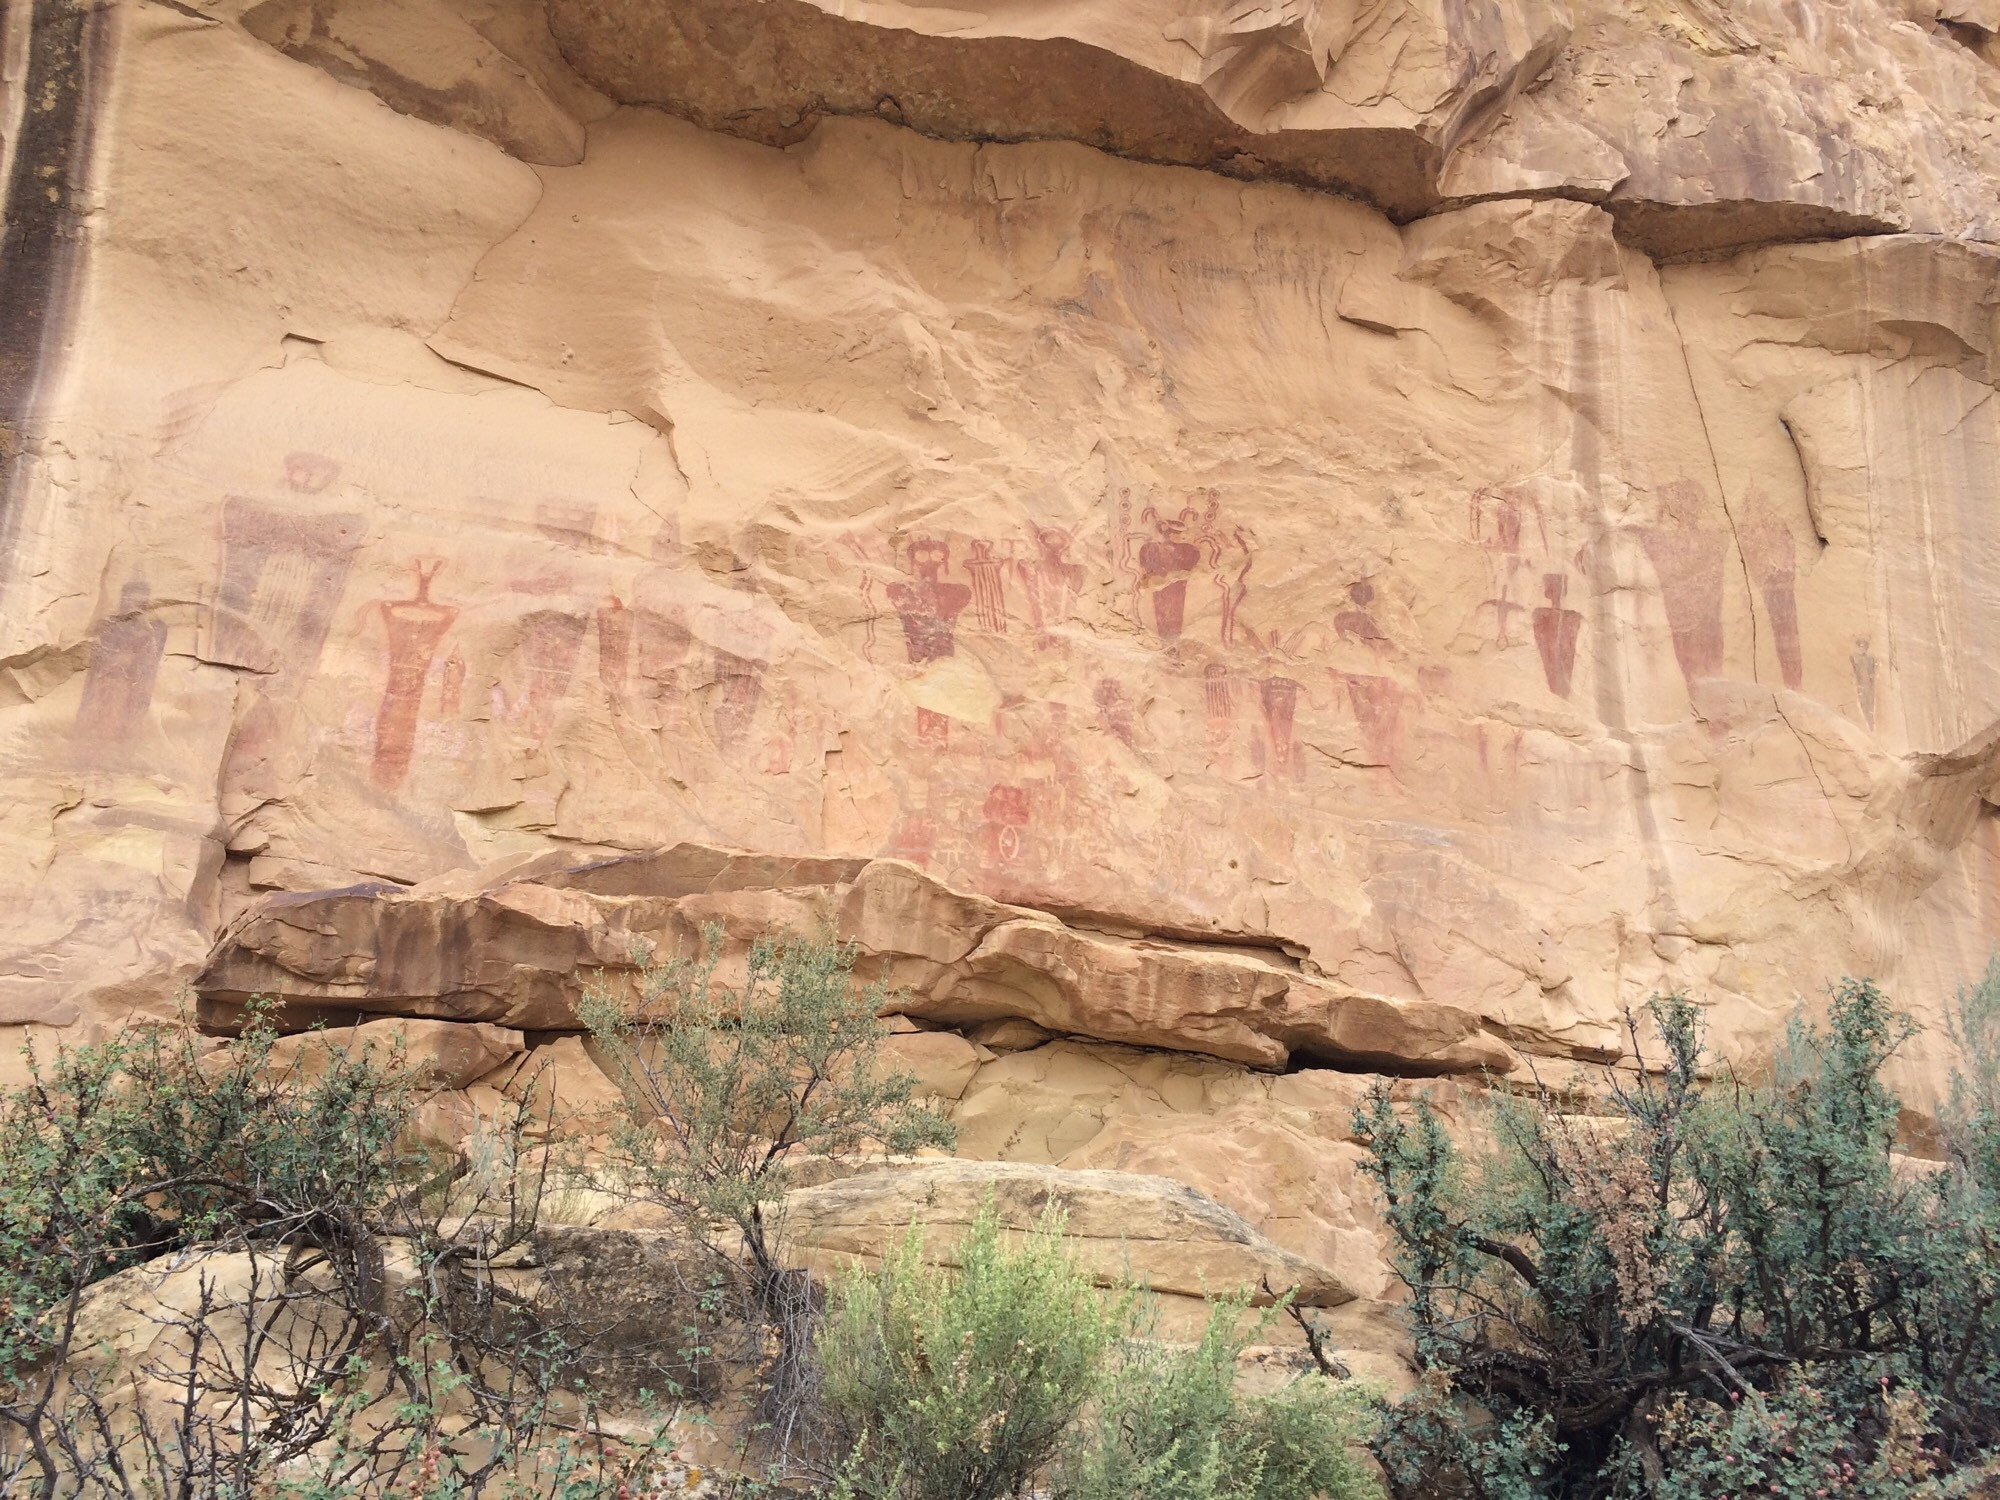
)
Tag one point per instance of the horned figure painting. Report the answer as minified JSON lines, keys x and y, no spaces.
{"x":928,"y":605}
{"x":1163,"y":562}
{"x":1052,"y":581}
{"x":416,"y":628}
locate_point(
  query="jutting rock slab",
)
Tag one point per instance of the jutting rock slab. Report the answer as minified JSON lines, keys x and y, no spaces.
{"x":520,"y":948}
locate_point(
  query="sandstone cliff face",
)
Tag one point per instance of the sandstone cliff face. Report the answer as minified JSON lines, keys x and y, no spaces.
{"x":1479,"y":511}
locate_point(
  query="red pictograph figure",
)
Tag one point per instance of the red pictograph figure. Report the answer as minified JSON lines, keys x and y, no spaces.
{"x":545,"y":660}
{"x":1689,"y":565}
{"x":283,"y":570}
{"x":1007,"y":811}
{"x":1052,"y":581}
{"x":1218,"y":700}
{"x":661,"y":644}
{"x":740,"y":687}
{"x":614,"y":646}
{"x":1377,"y":704}
{"x":1113,"y":711}
{"x":451,"y":686}
{"x":928,"y":605}
{"x":1556,"y":630}
{"x":1167,"y":560}
{"x":1496,"y":521}
{"x":916,"y":839}
{"x":1280,"y":696}
{"x":124,"y":665}
{"x":1772,"y":556}
{"x":933,"y":729}
{"x":989,"y":588}
{"x":1864,"y":663}
{"x":415,"y":627}
{"x":1689,"y":562}
{"x":1356,"y":623}
{"x":1235,"y":591}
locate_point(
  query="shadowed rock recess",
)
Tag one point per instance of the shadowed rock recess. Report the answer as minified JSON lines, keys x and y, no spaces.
{"x":1230,"y":549}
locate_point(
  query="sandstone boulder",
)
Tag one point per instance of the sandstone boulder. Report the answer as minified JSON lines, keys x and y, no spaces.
{"x":942,"y":1062}
{"x":452,"y":1054}
{"x":1120,"y":1226}
{"x":1009,"y":1034}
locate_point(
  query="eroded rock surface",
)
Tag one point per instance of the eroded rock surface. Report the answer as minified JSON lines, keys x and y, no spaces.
{"x":1206,"y":539}
{"x":1258,"y":593}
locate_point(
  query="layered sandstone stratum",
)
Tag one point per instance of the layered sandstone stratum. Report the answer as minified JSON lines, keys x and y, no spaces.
{"x":1231,"y":546}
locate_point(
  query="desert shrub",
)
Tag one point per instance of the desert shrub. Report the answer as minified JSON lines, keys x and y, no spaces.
{"x":345,"y":1335}
{"x":958,"y":1383}
{"x":1712,"y":1277}
{"x":1172,"y":1425}
{"x":726,"y":1087}
{"x":115,"y":1153}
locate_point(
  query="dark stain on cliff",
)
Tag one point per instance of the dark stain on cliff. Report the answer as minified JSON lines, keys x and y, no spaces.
{"x":41,"y":244}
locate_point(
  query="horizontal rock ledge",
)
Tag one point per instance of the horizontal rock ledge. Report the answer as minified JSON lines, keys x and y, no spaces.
{"x":517,"y":948}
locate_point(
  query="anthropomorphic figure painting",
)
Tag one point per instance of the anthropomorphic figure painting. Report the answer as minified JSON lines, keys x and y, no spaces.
{"x":929,"y":604}
{"x":1357,"y":621}
{"x":1051,"y":580}
{"x":1163,"y":557}
{"x":1556,"y":632}
{"x":1772,"y":557}
{"x":284,"y":566}
{"x":1007,"y":816}
{"x":416,"y":627}
{"x":1864,"y":663}
{"x":1688,"y":560}
{"x":124,"y":665}
{"x":989,"y":587}
{"x":1280,"y":699}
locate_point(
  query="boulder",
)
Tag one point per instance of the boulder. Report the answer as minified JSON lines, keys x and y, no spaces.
{"x":1008,"y":1034}
{"x":449,"y":1053}
{"x":941,"y":1062}
{"x":1120,"y":1226}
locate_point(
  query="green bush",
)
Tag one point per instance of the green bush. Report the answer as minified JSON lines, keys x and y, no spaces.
{"x":288,"y":1181}
{"x":959,"y":1384}
{"x":727,"y":1087}
{"x":1712,"y":1277}
{"x":118,"y":1152}
{"x":1172,"y":1426}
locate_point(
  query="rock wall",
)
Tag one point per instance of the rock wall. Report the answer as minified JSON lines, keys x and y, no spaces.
{"x":1478,"y":509}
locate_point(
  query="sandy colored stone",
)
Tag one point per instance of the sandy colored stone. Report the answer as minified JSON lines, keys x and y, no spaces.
{"x":1008,"y":1034}
{"x":427,"y":59}
{"x":563,"y":1092}
{"x":1120,"y":1226}
{"x":1278,"y":1150}
{"x":450,"y":1053}
{"x":941,"y":1061}
{"x":1409,"y":109}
